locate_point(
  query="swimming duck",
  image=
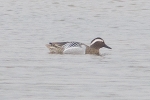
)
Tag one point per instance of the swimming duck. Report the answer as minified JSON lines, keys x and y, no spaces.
{"x":77,"y":47}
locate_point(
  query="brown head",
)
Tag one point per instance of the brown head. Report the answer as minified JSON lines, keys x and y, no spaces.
{"x":98,"y":43}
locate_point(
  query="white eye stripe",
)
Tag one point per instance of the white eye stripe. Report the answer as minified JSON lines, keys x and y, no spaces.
{"x":96,"y":40}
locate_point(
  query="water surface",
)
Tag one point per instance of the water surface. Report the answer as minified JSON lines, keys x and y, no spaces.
{"x":29,"y":72}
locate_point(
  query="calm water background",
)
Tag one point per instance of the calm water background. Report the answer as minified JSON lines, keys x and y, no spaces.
{"x":29,"y":72}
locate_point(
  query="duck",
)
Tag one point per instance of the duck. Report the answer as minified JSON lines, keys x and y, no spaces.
{"x":77,"y":47}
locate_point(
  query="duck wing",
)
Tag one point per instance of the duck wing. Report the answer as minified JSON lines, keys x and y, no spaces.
{"x":74,"y":48}
{"x":58,"y":44}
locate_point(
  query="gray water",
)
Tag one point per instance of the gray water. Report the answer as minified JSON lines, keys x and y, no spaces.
{"x":29,"y":72}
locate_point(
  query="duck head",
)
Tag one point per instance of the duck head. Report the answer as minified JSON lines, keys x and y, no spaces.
{"x":98,"y":43}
